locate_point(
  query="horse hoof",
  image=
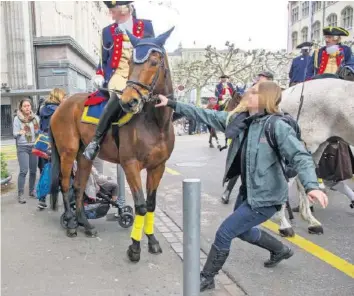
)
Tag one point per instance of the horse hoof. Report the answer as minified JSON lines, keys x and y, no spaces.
{"x":315,"y":229}
{"x":224,"y":200}
{"x":133,"y":255}
{"x":287,"y":232}
{"x":91,"y":232}
{"x":71,"y":232}
{"x":155,"y":248}
{"x":296,"y":209}
{"x":219,"y":147}
{"x":352,"y":205}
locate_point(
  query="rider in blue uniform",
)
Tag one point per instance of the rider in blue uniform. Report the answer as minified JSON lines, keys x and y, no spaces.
{"x":299,"y":64}
{"x":326,"y":61}
{"x":223,"y":90}
{"x":113,"y":69}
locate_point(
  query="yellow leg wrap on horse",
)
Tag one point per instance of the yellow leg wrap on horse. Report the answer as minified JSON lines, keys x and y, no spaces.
{"x":149,"y":223}
{"x":319,"y":180}
{"x":137,"y":231}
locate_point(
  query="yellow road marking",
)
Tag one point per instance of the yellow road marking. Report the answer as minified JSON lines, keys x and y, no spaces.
{"x":317,"y":251}
{"x":172,"y":172}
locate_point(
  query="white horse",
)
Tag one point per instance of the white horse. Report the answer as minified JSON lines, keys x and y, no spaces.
{"x":327,"y":110}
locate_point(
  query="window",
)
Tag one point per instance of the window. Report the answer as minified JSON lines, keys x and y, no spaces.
{"x":294,"y":39}
{"x":316,"y":6}
{"x":305,"y":7}
{"x":330,"y":2}
{"x":332,"y":20}
{"x":316,"y":31}
{"x":295,"y":14}
{"x":304,"y":34}
{"x":347,"y":17}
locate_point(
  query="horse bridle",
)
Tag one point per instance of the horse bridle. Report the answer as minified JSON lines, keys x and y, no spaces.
{"x":150,"y":96}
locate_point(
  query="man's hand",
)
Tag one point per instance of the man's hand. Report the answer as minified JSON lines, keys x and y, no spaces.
{"x":98,"y":81}
{"x":163,"y":101}
{"x":318,"y":195}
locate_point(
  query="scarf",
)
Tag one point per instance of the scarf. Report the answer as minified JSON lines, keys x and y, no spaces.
{"x":26,"y":125}
{"x":240,"y":123}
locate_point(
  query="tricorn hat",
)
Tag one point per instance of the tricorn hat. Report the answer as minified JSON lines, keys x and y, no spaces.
{"x":335,"y":31}
{"x":304,"y":44}
{"x":266,"y":74}
{"x":111,"y":4}
{"x":224,"y":76}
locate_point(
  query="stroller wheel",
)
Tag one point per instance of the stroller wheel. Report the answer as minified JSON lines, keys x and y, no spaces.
{"x":126,"y":220}
{"x":63,"y":223}
{"x":127,"y":209}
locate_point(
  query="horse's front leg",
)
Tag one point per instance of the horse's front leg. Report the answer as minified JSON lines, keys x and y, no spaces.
{"x":285,"y":229}
{"x":132,"y":170}
{"x":154,"y":177}
{"x":315,"y":226}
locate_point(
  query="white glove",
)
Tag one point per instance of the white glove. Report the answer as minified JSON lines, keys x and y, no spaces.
{"x":98,"y":81}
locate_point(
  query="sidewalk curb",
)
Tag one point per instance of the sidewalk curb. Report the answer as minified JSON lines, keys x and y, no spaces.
{"x":174,"y":236}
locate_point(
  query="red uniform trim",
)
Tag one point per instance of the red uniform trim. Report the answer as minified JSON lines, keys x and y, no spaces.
{"x":99,"y":72}
{"x":324,"y":60}
{"x":138,"y":31}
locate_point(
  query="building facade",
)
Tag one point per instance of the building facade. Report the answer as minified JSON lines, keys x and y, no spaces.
{"x":306,"y":19}
{"x":47,"y":45}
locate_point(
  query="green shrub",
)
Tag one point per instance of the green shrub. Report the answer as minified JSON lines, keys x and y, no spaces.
{"x":4,"y":171}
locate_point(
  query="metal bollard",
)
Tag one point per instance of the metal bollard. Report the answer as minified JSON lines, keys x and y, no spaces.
{"x":121,"y":186}
{"x":191,"y":236}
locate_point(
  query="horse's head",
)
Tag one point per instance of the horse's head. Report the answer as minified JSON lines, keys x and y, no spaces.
{"x":147,"y":73}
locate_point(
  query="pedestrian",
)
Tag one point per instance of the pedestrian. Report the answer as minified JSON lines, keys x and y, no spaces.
{"x":264,"y":189}
{"x":25,"y":130}
{"x":50,"y":104}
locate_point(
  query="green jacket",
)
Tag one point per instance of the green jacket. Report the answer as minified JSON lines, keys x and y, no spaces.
{"x":266,"y":184}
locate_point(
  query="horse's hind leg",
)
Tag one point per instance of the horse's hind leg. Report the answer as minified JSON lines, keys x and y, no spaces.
{"x":153,"y":180}
{"x":67,"y":160}
{"x":217,"y":140}
{"x":225,"y":198}
{"x":84,"y":169}
{"x":132,"y":170}
{"x":315,"y":226}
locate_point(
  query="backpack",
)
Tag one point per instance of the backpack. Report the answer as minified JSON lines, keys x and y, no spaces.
{"x":269,"y":131}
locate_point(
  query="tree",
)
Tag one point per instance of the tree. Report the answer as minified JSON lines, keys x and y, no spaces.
{"x":193,"y":75}
{"x":243,"y":66}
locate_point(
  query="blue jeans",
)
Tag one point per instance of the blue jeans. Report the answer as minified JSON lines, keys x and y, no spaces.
{"x":242,"y":224}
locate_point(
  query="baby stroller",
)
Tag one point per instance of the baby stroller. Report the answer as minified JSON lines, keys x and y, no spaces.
{"x":98,"y":208}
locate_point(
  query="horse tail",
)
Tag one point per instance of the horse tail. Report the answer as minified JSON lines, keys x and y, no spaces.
{"x":55,"y":172}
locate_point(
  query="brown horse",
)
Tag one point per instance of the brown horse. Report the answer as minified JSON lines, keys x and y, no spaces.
{"x":146,"y":142}
{"x":228,"y":106}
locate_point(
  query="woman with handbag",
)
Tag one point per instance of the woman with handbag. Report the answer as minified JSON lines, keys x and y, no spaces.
{"x":25,"y":131}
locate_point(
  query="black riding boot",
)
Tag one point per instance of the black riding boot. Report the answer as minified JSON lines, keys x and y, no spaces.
{"x":111,"y":109}
{"x":215,"y":261}
{"x":278,"y":251}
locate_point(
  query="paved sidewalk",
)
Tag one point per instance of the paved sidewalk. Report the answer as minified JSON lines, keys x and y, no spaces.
{"x":38,"y":259}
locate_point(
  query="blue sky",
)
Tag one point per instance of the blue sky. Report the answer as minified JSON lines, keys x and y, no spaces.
{"x":264,"y":22}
